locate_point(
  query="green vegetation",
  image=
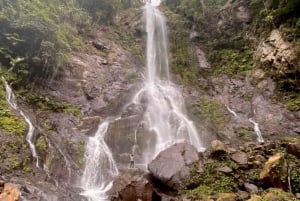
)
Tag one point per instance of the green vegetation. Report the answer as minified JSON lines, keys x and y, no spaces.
{"x":15,"y":163}
{"x":212,"y":181}
{"x":184,"y":58}
{"x":274,"y":194}
{"x":41,"y":144}
{"x":9,"y":121}
{"x":37,"y":35}
{"x":213,"y":111}
{"x":128,"y":32}
{"x":295,"y":178}
{"x":231,"y":62}
{"x":244,"y":134}
{"x":47,"y":104}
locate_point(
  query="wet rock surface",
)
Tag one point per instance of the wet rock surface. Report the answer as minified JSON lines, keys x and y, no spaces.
{"x":174,"y":164}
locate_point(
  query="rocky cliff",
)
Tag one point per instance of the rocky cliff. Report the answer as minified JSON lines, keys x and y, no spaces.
{"x":239,"y":75}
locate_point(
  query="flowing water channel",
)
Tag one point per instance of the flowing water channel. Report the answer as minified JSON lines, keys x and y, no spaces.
{"x":163,"y":116}
{"x":10,"y":97}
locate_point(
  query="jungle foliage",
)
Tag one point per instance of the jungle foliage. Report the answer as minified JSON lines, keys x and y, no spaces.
{"x":230,"y":43}
{"x":37,"y":35}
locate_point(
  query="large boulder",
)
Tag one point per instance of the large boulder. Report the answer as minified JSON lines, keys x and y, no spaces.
{"x":172,"y":167}
{"x":10,"y":192}
{"x":274,"y":173}
{"x":133,"y":184}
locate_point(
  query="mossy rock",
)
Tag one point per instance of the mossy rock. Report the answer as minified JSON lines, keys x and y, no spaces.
{"x":275,"y":194}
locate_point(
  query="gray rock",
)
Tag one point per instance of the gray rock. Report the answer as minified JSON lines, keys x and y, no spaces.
{"x":225,"y":169}
{"x":203,"y":62}
{"x":251,"y":188}
{"x":294,"y":149}
{"x":133,"y":184}
{"x":240,"y":158}
{"x":173,"y":165}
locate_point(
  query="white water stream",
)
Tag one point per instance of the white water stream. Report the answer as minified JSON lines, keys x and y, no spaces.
{"x":164,"y":114}
{"x":100,"y":167}
{"x":255,"y":124}
{"x":257,"y":130}
{"x":10,"y":97}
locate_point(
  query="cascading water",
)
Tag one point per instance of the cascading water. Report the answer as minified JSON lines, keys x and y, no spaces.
{"x":100,"y":167}
{"x":163,"y":115}
{"x":164,"y":103}
{"x":10,"y":97}
{"x":256,"y":125}
{"x":257,"y":131}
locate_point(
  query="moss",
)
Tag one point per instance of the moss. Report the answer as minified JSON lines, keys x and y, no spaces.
{"x":293,"y":102}
{"x":244,"y":134}
{"x":41,"y":144}
{"x":289,"y":139}
{"x":184,"y":59}
{"x":201,"y":192}
{"x":14,"y":163}
{"x":27,"y":169}
{"x":212,"y":181}
{"x":9,"y":121}
{"x":295,"y":178}
{"x":72,"y":110}
{"x":232,"y":62}
{"x":274,"y":194}
{"x":46,"y":125}
{"x":212,"y":110}
{"x":47,"y":104}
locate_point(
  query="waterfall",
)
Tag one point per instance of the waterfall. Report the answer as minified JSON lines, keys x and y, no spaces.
{"x":10,"y":97}
{"x":257,"y":130}
{"x":100,"y":167}
{"x":164,"y":113}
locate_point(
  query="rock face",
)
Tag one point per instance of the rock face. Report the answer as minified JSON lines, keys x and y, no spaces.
{"x":240,"y":158}
{"x":10,"y":193}
{"x":133,"y":184}
{"x":276,"y":51}
{"x":173,"y":165}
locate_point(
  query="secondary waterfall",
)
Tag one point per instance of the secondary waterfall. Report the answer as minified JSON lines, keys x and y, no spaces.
{"x":164,"y":103}
{"x":10,"y":97}
{"x":255,"y":124}
{"x":257,"y":130}
{"x":100,"y":167}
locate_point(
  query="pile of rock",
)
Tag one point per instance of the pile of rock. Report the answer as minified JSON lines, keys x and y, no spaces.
{"x":250,"y":172}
